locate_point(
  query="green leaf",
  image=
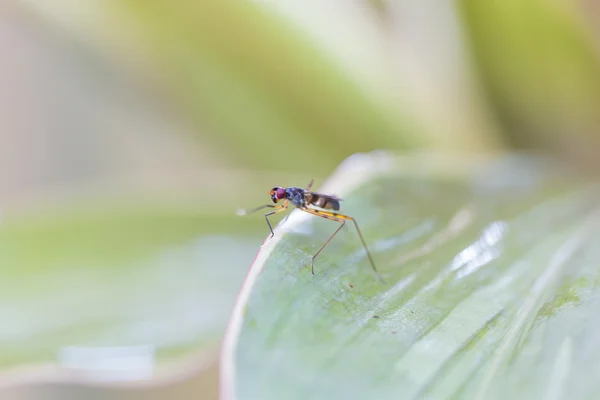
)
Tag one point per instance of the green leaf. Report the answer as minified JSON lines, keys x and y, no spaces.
{"x":491,"y":287}
{"x":217,"y":59}
{"x":539,"y":65}
{"x":117,"y":274}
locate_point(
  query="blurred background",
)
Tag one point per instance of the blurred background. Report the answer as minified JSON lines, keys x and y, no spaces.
{"x":131,"y":131}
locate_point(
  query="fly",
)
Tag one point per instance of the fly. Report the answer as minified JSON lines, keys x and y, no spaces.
{"x":321,"y":205}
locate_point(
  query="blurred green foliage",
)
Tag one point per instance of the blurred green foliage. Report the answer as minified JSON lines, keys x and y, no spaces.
{"x":540,"y":66}
{"x":271,"y":97}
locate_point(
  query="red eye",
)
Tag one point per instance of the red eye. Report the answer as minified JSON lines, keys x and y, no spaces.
{"x":280,"y":193}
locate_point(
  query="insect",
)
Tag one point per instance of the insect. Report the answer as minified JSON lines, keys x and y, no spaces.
{"x":318,"y":204}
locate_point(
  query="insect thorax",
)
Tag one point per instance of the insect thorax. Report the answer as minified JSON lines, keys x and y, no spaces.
{"x":296,"y":196}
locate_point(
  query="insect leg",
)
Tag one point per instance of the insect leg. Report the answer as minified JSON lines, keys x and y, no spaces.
{"x":250,"y":211}
{"x":342,"y":219}
{"x":278,"y":209}
{"x":312,"y":263}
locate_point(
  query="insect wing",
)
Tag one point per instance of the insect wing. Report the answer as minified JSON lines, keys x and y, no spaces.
{"x":326,"y":196}
{"x":323,"y":201}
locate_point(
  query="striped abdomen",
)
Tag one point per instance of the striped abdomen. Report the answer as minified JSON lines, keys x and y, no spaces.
{"x":324,"y":202}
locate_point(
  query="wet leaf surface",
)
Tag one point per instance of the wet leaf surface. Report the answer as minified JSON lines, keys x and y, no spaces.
{"x":491,"y":273}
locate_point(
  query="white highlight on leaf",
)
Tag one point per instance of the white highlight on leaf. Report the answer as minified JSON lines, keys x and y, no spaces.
{"x":412,"y":234}
{"x":393,"y":242}
{"x":482,"y":251}
{"x":460,"y":220}
{"x":398,"y":287}
{"x":109,"y":363}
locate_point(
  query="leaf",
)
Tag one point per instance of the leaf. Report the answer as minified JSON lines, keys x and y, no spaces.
{"x":491,"y":287}
{"x":116,"y":275}
{"x":539,"y":65}
{"x":213,"y":74}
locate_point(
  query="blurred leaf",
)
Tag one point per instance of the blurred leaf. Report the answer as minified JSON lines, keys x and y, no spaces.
{"x":241,"y":70}
{"x":542,"y":71}
{"x":491,"y":290}
{"x":198,"y":382}
{"x":158,"y":275}
{"x":104,"y":235}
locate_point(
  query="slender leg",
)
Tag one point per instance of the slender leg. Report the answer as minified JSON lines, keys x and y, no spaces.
{"x":341,"y":218}
{"x":278,"y":209}
{"x":312,"y":263}
{"x":250,"y":211}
